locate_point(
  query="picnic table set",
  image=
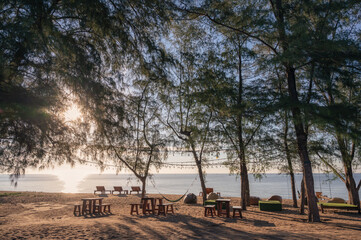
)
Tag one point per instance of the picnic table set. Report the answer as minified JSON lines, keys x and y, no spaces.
{"x":149,"y":206}
{"x":92,"y":206}
{"x":223,"y":208}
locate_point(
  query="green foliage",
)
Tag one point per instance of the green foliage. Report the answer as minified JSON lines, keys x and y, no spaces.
{"x":57,"y":52}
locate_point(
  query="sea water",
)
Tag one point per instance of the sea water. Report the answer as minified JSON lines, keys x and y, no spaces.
{"x":227,"y":185}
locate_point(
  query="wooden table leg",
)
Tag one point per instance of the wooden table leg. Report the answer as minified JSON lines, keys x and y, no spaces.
{"x":219,"y":208}
{"x":84,"y":206}
{"x":144,"y":206}
{"x":227,"y":209}
{"x":100,"y":205}
{"x":90,"y":206}
{"x":153,"y":206}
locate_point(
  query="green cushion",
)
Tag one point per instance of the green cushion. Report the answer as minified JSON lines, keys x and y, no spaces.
{"x":270,"y":206}
{"x":338,"y":205}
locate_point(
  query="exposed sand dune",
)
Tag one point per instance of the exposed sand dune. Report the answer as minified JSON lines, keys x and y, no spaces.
{"x":50,"y":216}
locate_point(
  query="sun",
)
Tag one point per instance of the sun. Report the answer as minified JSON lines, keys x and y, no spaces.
{"x":73,"y":113}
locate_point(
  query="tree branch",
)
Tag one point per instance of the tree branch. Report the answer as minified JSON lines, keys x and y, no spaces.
{"x":234,"y":29}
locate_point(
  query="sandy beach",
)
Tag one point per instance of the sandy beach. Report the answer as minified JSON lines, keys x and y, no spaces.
{"x":36,"y":215}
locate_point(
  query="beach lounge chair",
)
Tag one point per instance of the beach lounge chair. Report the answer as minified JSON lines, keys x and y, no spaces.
{"x":275,"y":198}
{"x":119,"y":189}
{"x":208,"y":191}
{"x":135,"y":189}
{"x":102,"y":190}
{"x":321,"y":197}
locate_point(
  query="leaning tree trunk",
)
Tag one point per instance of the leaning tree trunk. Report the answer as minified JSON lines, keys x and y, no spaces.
{"x":200,"y":173}
{"x":347,"y":158}
{"x":201,"y":178}
{"x":313,"y":213}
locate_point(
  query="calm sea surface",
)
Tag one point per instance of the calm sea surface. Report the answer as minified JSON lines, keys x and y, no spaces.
{"x":228,"y":185}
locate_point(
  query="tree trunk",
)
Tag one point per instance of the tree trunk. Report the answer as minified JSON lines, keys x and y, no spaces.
{"x":200,"y":172}
{"x":301,"y":136}
{"x":302,"y":211}
{"x":353,"y":195}
{"x":244,"y":186}
{"x":294,"y":197}
{"x":289,"y":162}
{"x":313,"y":213}
{"x":201,"y":178}
{"x":347,"y":158}
{"x":245,"y":195}
{"x":143,"y":180}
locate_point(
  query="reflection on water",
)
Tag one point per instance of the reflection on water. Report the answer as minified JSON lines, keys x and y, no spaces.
{"x":32,"y":182}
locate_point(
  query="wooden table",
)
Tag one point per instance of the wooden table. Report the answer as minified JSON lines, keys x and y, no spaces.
{"x":91,"y":202}
{"x":220,"y":204}
{"x":145,"y":208}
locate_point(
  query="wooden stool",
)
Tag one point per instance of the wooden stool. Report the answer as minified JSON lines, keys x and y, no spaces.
{"x":209,"y":209}
{"x":106,"y":207}
{"x":239,"y":209}
{"x":161,"y":209}
{"x":77,"y":209}
{"x":171,"y":210}
{"x":134,"y":208}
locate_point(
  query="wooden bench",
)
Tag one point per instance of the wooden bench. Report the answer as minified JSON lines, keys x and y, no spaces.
{"x":239,"y":209}
{"x":209,"y":209}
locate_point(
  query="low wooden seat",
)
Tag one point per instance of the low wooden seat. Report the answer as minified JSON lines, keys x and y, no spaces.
{"x":239,"y":209}
{"x":106,"y":208}
{"x":169,"y":208}
{"x":161,"y":209}
{"x":77,"y":209}
{"x":165,"y":208}
{"x":209,"y":209}
{"x":134,"y":208}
